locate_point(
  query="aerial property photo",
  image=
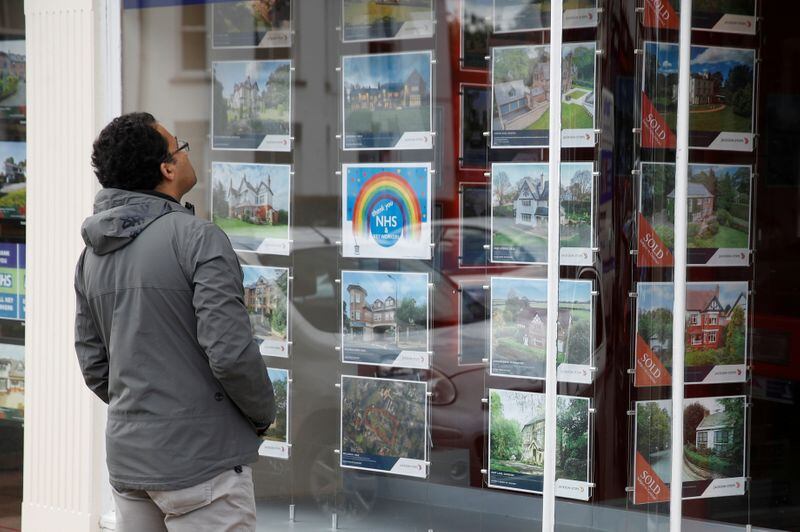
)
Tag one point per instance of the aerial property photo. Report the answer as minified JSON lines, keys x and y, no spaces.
{"x":384,"y":425}
{"x":251,"y":105}
{"x":577,"y":94}
{"x":250,"y":202}
{"x":266,"y":299}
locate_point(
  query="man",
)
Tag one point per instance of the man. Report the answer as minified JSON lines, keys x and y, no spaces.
{"x":163,"y":337}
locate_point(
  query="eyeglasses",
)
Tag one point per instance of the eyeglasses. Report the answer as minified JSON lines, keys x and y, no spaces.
{"x":182,"y":145}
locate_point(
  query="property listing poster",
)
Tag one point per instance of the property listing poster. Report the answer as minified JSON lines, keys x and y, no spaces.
{"x":251,"y":105}
{"x":275,"y":442}
{"x":476,"y":26}
{"x":715,"y":439}
{"x":12,"y":394}
{"x":474,"y":233}
{"x":721,"y":103}
{"x":575,"y":331}
{"x":378,"y":20}
{"x":716,"y":332}
{"x":531,"y":15}
{"x":266,"y":297}
{"x":578,"y":94}
{"x":384,"y":425}
{"x":474,"y":122}
{"x":653,"y":350}
{"x":252,"y":24}
{"x":520,"y":209}
{"x":724,"y":16}
{"x":385,"y":319}
{"x":387,"y":102}
{"x":13,"y":180}
{"x":577,"y":214}
{"x":652,"y":465}
{"x":518,"y":327}
{"x":386,"y":210}
{"x":12,"y":281}
{"x":718,"y":212}
{"x":13,"y":80}
{"x":251,"y":203}
{"x":516,"y":443}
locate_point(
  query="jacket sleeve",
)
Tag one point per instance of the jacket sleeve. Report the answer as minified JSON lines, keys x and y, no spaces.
{"x":223,"y":326}
{"x":92,"y":353}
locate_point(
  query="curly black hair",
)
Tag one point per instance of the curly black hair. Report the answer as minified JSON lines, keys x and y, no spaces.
{"x":128,"y":153}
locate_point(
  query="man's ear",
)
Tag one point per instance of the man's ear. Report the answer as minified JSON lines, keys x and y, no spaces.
{"x":168,"y":171}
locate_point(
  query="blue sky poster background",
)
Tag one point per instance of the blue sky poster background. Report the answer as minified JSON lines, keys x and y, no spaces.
{"x":230,"y":73}
{"x":574,"y":292}
{"x":277,"y":375}
{"x":728,"y":292}
{"x":713,"y":59}
{"x":371,"y":70}
{"x":12,"y":149}
{"x":255,"y":174}
{"x":415,"y":176}
{"x":252,"y":273}
{"x":533,"y":289}
{"x":652,"y":296}
{"x":380,"y":285}
{"x":666,"y":56}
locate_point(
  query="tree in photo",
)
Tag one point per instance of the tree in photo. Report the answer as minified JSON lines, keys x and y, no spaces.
{"x":693,"y":414}
{"x":572,"y":439}
{"x":506,"y":433}
{"x":277,"y":431}
{"x":653,"y":429}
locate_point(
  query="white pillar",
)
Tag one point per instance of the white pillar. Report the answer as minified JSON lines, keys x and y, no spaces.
{"x":65,"y":481}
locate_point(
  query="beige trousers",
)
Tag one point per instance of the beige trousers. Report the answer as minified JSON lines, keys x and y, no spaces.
{"x":225,"y":503}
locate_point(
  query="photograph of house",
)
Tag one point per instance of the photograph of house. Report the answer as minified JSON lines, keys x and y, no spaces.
{"x":714,"y":438}
{"x":250,"y":202}
{"x":13,"y":179}
{"x":516,"y":440}
{"x":252,"y":24}
{"x":12,"y":78}
{"x":572,"y":438}
{"x":521,"y":95}
{"x":576,"y":205}
{"x":383,"y":418}
{"x":520,"y":15}
{"x":378,"y":20}
{"x":251,"y":105}
{"x":384,"y":97}
{"x":12,"y":382}
{"x":384,"y":318}
{"x":520,"y":212}
{"x":653,"y":442}
{"x":266,"y":299}
{"x":577,"y":87}
{"x":716,"y":325}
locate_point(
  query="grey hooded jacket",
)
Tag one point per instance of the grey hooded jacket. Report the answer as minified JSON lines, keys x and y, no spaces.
{"x":163,"y":336}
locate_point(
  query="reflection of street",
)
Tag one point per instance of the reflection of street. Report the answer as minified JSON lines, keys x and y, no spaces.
{"x":693,"y":472}
{"x":18,"y":98}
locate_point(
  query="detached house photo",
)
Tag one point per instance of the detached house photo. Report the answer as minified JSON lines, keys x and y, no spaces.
{"x":266,"y":300}
{"x":521,"y":87}
{"x":714,"y":434}
{"x":516,"y":439}
{"x":716,"y":323}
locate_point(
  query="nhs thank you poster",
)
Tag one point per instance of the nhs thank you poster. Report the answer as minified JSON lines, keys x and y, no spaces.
{"x":386,"y":211}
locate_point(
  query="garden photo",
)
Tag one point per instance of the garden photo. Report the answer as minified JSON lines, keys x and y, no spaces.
{"x":653,"y":442}
{"x":518,"y":327}
{"x":252,"y":24}
{"x":721,"y":89}
{"x":574,"y":334}
{"x":387,"y":101}
{"x":719,"y":207}
{"x":251,"y":105}
{"x":372,"y":20}
{"x":266,"y":300}
{"x":520,"y":210}
{"x":516,"y":440}
{"x":577,"y":86}
{"x":250,"y":202}
{"x":576,"y":205}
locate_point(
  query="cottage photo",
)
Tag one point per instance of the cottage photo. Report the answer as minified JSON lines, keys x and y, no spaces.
{"x":266,"y":298}
{"x":13,"y":180}
{"x":572,"y":440}
{"x":520,"y":15}
{"x":574,"y":332}
{"x":380,"y":20}
{"x":385,"y":318}
{"x":577,"y":214}
{"x":520,"y":96}
{"x":716,"y":332}
{"x":251,"y":107}
{"x":251,"y":203}
{"x":577,"y":94}
{"x":520,"y":210}
{"x":713,"y":446}
{"x":12,"y":79}
{"x":516,"y":440}
{"x":276,"y":440}
{"x":518,"y":327}
{"x":384,"y":425}
{"x":386,"y":100}
{"x":653,"y":349}
{"x":252,"y":24}
{"x":385,"y":210}
{"x":653,"y":443}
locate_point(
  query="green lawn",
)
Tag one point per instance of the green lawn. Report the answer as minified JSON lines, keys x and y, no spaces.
{"x":512,"y":236}
{"x":388,"y":120}
{"x":724,"y":120}
{"x":726,"y":237}
{"x":574,"y":94}
{"x":573,"y":116}
{"x":511,"y":349}
{"x":236,"y":227}
{"x":542,"y":123}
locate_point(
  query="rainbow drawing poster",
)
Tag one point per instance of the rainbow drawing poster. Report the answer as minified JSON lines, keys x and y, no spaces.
{"x":385,"y":210}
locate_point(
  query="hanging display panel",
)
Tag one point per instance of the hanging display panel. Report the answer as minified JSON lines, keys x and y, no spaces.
{"x":248,"y":24}
{"x":476,"y":27}
{"x":721,"y":111}
{"x":724,"y":16}
{"x":575,"y":331}
{"x":518,"y":327}
{"x":474,"y":231}
{"x":653,"y":351}
{"x":251,"y":203}
{"x":577,"y":214}
{"x":572,"y":447}
{"x":275,"y":442}
{"x":716,"y":332}
{"x":384,"y":425}
{"x":13,"y":179}
{"x":251,"y":105}
{"x":13,"y":80}
{"x":266,"y":297}
{"x":385,"y":319}
{"x":377,"y":20}
{"x":473,"y":326}
{"x":474,"y":123}
{"x":531,"y":15}
{"x":520,"y":209}
{"x":386,"y":101}
{"x":652,"y":469}
{"x":386,"y":210}
{"x":577,"y":95}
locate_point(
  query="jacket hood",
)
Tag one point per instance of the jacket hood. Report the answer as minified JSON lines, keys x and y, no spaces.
{"x":120,"y":216}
